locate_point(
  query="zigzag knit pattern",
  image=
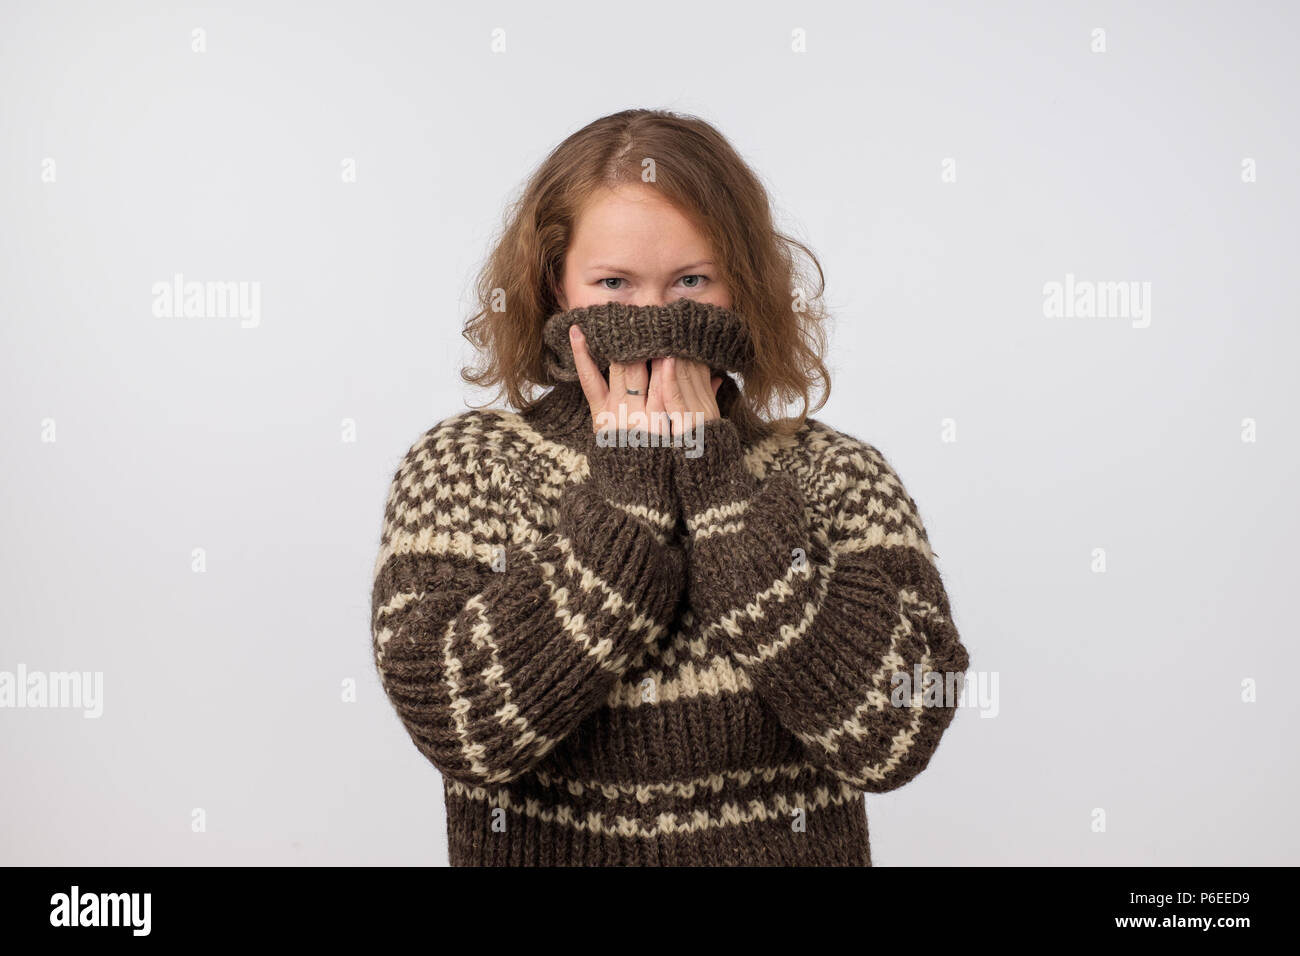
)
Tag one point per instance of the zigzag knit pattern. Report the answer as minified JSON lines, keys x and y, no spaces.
{"x":625,"y":655}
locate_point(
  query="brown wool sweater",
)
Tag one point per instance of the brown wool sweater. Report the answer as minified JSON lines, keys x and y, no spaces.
{"x":622,"y":655}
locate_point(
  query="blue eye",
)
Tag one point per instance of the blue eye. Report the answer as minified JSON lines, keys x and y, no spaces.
{"x":696,"y":285}
{"x":611,"y":288}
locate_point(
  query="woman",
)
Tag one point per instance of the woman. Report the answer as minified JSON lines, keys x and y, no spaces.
{"x":638,"y":620}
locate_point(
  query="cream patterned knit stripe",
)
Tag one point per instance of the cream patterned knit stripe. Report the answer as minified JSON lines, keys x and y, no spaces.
{"x":636,"y":477}
{"x":492,"y":639}
{"x":822,"y":617}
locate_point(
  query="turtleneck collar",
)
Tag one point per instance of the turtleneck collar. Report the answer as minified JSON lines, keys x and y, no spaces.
{"x":618,"y":332}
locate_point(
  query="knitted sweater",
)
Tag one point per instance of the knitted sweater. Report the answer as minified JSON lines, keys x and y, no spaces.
{"x":661,"y":655}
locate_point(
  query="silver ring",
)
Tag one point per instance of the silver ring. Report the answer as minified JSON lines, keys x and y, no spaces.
{"x":634,"y":391}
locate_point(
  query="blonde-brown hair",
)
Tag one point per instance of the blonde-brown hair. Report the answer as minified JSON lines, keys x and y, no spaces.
{"x":699,"y":172}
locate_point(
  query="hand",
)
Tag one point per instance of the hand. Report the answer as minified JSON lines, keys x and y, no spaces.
{"x":686,"y":388}
{"x":605,"y":399}
{"x":671,"y":385}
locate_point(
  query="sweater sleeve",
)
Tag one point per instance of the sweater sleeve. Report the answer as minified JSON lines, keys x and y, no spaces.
{"x":841,"y":621}
{"x":494,"y":638}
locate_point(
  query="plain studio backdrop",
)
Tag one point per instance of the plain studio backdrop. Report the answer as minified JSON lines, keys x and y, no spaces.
{"x":192,"y":505}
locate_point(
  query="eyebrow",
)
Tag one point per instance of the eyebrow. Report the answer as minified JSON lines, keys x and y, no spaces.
{"x":608,"y":268}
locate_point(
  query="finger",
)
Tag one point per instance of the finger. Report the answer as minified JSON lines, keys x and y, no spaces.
{"x":654,"y":399}
{"x":674,"y":400}
{"x":635,"y":377}
{"x":698,"y":396}
{"x":625,"y":375}
{"x":617,"y":390}
{"x":697,"y":379}
{"x":691,"y":384}
{"x":677,"y":394}
{"x":618,"y":396}
{"x":703,"y":390}
{"x":709,"y":384}
{"x":698,"y":374}
{"x":593,"y":383}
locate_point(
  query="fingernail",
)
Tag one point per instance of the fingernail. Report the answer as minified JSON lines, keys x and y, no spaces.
{"x":575,"y":333}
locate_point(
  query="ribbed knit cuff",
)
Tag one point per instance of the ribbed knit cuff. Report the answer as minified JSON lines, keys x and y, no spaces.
{"x":635,"y":475}
{"x":712,"y":474}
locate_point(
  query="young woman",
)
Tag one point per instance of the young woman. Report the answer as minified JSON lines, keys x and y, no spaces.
{"x":641,"y":619}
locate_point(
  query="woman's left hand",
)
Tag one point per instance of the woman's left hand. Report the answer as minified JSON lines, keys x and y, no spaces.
{"x":684,"y":386}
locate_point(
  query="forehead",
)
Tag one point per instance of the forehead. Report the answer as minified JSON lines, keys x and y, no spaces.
{"x":634,"y":223}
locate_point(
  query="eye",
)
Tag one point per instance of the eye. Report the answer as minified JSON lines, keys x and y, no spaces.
{"x":612,"y":279}
{"x":696,"y":285}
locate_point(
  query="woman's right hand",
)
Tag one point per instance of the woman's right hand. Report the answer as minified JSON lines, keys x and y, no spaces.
{"x":645,"y":410}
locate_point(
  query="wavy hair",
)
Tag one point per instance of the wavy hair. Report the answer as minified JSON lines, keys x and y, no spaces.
{"x":699,"y":173}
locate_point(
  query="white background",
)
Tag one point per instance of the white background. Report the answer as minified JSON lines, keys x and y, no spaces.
{"x":1119,"y":690}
